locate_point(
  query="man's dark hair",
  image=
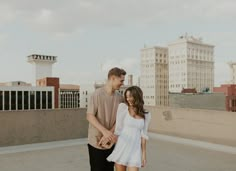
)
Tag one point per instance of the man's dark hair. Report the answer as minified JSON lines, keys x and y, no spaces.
{"x":116,"y":72}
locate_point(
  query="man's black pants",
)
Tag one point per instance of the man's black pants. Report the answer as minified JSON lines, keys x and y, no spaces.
{"x":98,"y":161}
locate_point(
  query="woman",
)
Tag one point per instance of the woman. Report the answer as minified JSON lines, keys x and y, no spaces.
{"x":131,"y":128}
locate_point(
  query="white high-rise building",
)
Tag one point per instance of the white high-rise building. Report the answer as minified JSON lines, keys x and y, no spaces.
{"x":232,"y":66}
{"x":154,"y":76}
{"x":85,"y":92}
{"x":42,"y":64}
{"x":191,"y":64}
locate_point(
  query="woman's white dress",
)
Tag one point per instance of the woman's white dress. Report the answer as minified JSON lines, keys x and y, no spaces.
{"x":129,"y":130}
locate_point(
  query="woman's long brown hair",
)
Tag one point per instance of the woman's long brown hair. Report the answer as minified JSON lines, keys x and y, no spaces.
{"x":138,"y":102}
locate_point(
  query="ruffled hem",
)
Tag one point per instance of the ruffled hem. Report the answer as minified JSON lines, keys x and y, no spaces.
{"x":125,"y":163}
{"x":144,"y":136}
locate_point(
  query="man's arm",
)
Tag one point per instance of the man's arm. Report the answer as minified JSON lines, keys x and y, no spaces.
{"x":107,"y":134}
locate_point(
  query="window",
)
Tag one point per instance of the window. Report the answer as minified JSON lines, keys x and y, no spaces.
{"x":19,"y":100}
{"x":13,"y":100}
{"x":6,"y":100}
{"x":38,"y":100}
{"x":26,"y":100}
{"x":32,"y":101}
{"x":44,"y":100}
{"x":1,"y":100}
{"x":49,"y":100}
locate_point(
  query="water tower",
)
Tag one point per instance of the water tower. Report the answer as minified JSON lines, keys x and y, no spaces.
{"x":42,"y":65}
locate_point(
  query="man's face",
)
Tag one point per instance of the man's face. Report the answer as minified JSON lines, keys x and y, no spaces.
{"x":117,"y":82}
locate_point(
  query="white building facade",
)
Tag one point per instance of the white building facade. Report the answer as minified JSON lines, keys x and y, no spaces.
{"x":69,"y":98}
{"x":191,"y":64}
{"x":154,"y":76}
{"x":232,"y":66}
{"x":85,"y":92}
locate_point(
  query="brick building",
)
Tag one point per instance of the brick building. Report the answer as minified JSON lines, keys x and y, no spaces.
{"x":230,"y":95}
{"x":50,"y":82}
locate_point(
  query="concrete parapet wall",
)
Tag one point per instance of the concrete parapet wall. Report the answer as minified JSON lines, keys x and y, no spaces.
{"x":26,"y":127}
{"x":207,"y":101}
{"x":206,"y":125}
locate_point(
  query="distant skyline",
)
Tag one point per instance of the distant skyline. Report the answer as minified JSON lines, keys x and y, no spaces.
{"x":91,"y":36}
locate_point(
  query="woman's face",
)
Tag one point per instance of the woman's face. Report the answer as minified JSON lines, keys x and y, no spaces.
{"x":129,"y":98}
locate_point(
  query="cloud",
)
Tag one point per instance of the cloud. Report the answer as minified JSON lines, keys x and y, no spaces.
{"x":222,"y":40}
{"x":3,"y":38}
{"x":128,"y":64}
{"x":73,"y":77}
{"x":62,"y":19}
{"x":44,"y":16}
{"x":64,"y":16}
{"x":87,"y":72}
{"x":6,"y":15}
{"x":221,"y":9}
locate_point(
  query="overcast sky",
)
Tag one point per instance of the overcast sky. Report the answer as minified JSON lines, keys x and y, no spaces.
{"x":91,"y":36}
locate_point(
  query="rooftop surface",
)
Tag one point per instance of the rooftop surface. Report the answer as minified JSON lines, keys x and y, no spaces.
{"x":164,"y":153}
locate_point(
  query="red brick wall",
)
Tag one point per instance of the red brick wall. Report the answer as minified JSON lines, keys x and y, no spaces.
{"x":230,"y":94}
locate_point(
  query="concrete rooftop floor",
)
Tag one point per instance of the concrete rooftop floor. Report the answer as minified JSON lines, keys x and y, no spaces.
{"x":164,"y":153}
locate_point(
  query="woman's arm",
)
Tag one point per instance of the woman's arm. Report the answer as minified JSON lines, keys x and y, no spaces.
{"x":143,"y":147}
{"x":144,"y":138}
{"x":117,"y":127}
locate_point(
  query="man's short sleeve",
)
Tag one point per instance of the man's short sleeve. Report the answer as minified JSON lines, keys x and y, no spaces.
{"x":93,"y":104}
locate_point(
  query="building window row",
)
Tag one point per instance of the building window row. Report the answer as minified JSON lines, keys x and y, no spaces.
{"x":148,"y":97}
{"x":26,"y":100}
{"x":69,"y":99}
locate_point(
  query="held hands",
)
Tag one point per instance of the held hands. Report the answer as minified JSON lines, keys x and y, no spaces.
{"x":108,"y":135}
{"x":107,"y":140}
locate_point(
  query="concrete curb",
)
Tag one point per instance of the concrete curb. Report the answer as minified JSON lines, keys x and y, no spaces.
{"x":196,"y":143}
{"x":42,"y":146}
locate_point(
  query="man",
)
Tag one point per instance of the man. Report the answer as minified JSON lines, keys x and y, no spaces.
{"x":101,"y":114}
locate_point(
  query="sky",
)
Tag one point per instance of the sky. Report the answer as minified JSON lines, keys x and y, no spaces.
{"x":91,"y":36}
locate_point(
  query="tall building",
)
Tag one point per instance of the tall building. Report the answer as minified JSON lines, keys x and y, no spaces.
{"x":191,"y":64}
{"x":232,"y":66}
{"x":42,"y":64}
{"x":154,"y":75}
{"x":130,"y":80}
{"x":85,"y":93}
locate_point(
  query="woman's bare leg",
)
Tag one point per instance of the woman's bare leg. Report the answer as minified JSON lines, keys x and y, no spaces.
{"x":133,"y":169}
{"x":120,"y":167}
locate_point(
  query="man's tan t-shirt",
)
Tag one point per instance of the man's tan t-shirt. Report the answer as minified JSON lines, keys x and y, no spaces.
{"x":104,"y":107}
